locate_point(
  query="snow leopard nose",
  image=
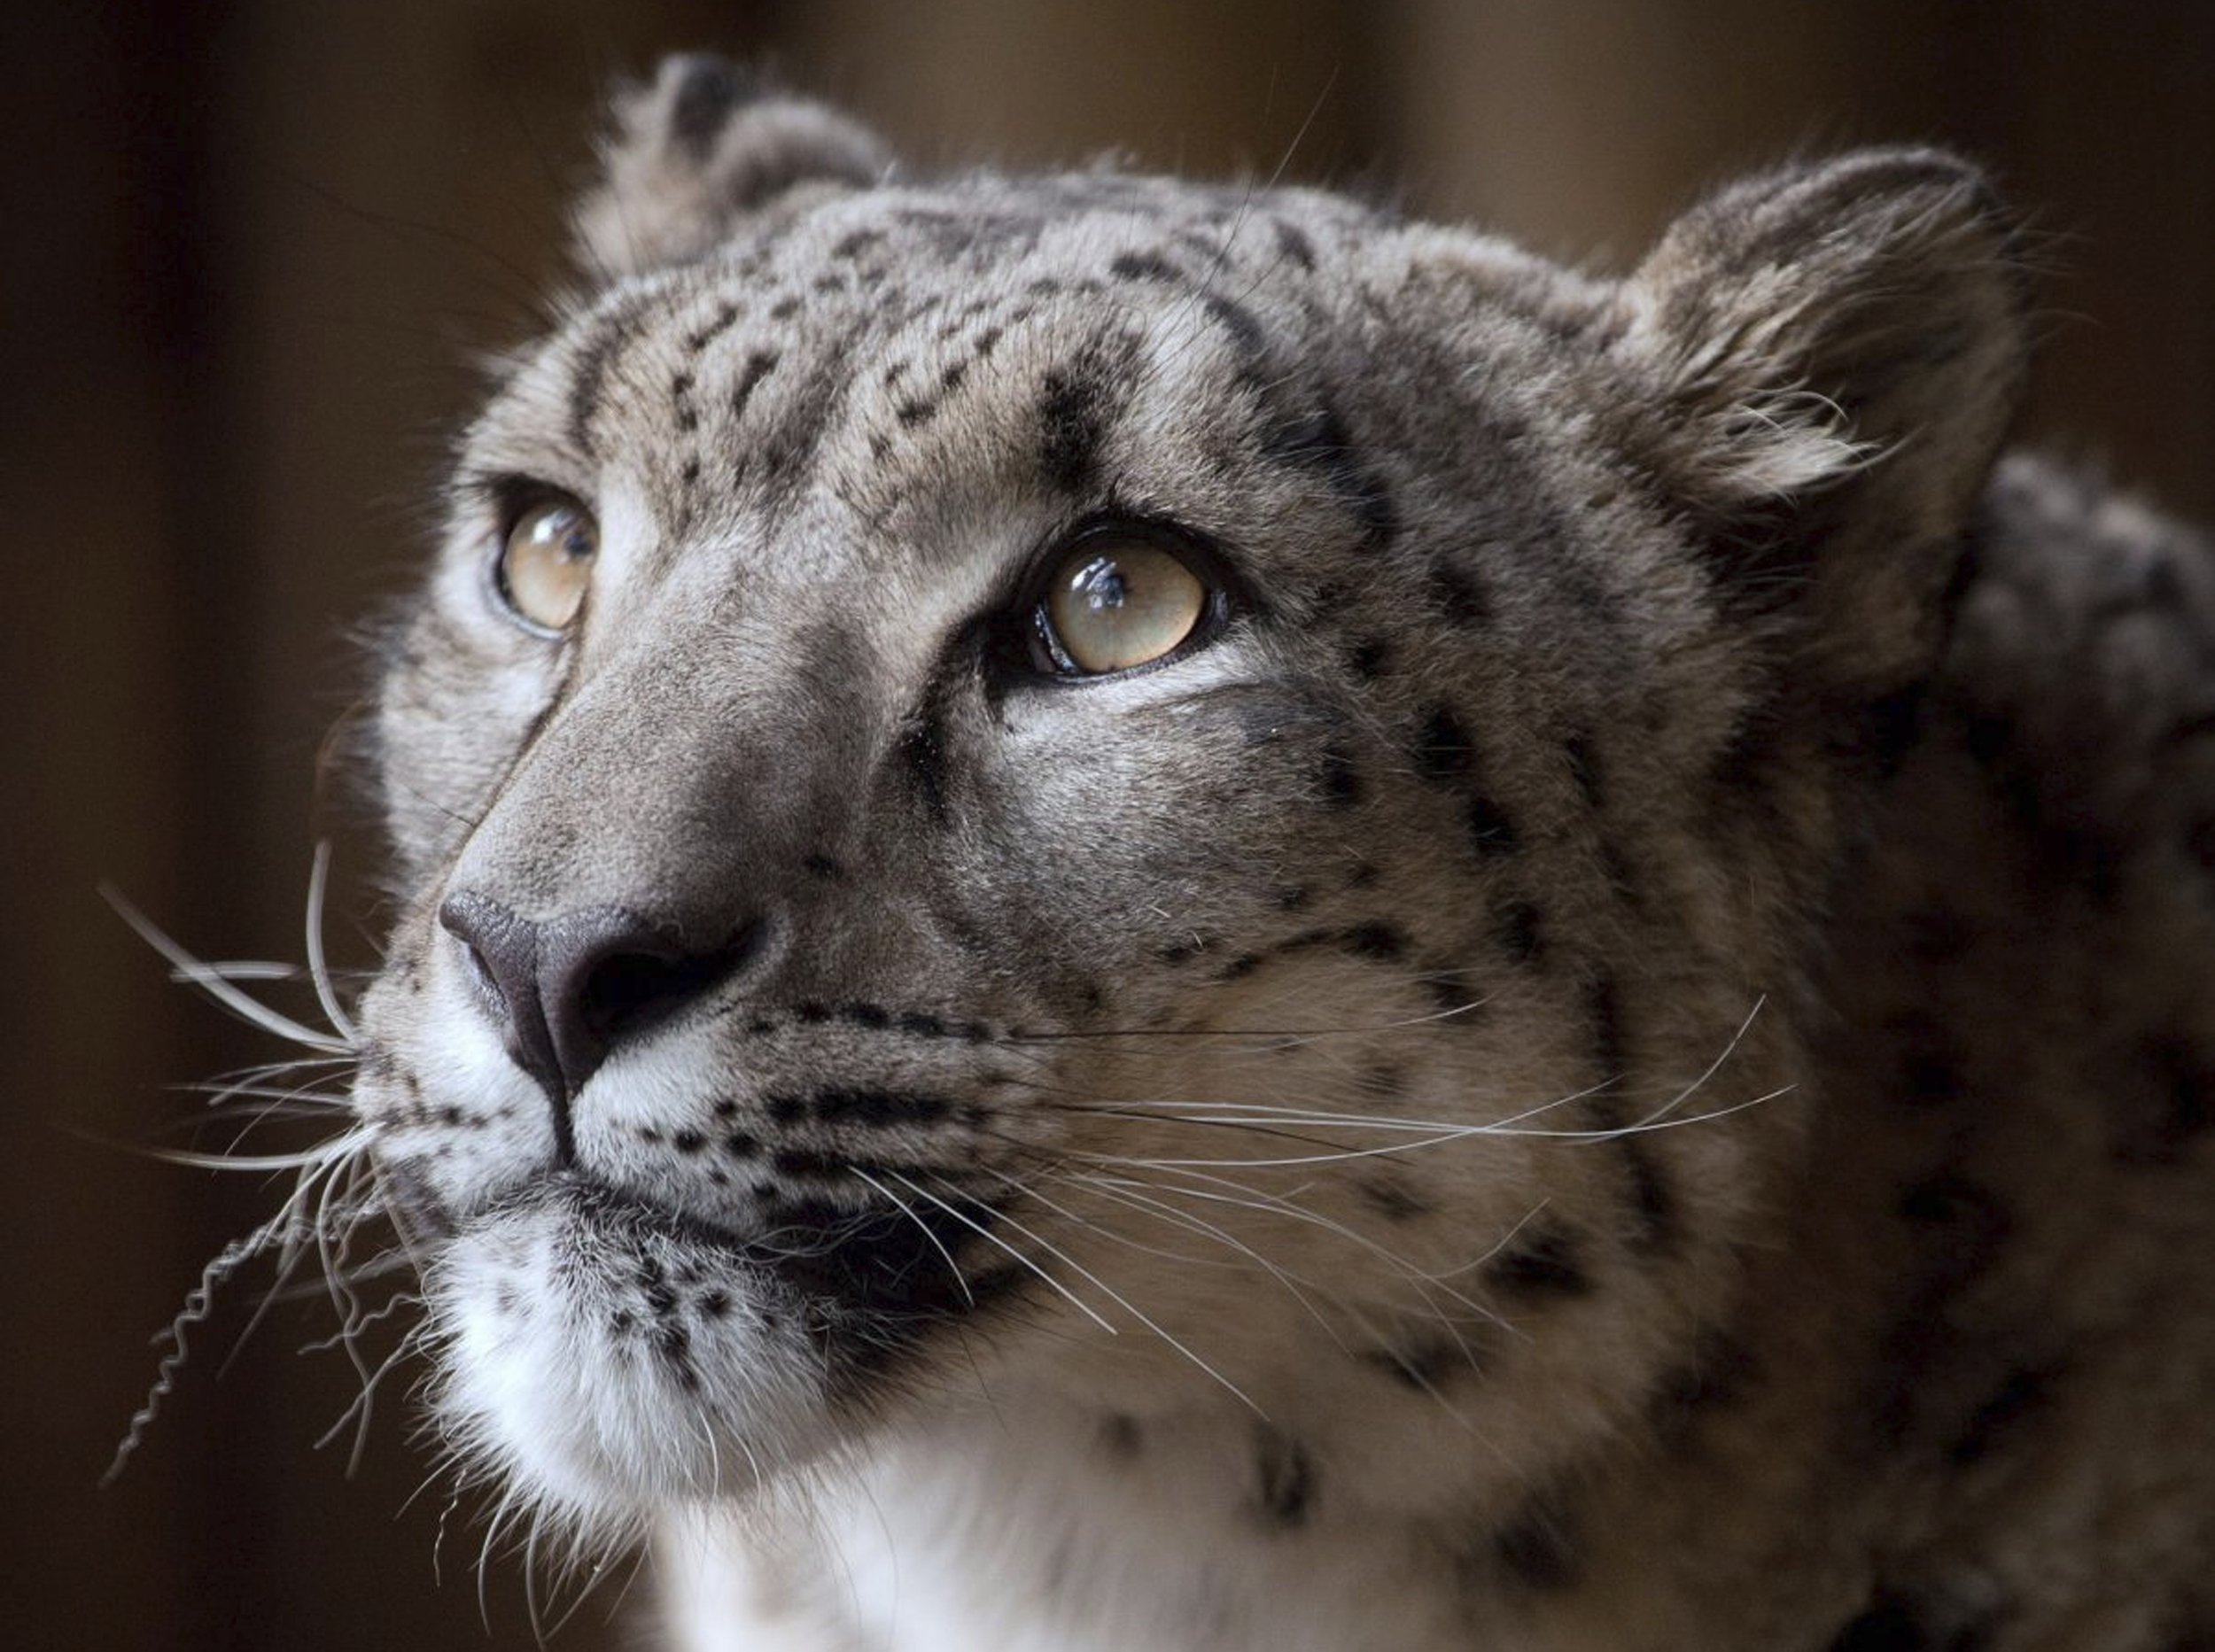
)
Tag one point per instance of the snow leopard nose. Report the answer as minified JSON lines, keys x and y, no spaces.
{"x":573,"y":987}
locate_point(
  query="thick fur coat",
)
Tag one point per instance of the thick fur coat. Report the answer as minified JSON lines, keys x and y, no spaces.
{"x":1611,"y":1050}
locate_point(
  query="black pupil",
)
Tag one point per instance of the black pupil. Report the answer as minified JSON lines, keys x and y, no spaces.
{"x":1103,"y":585}
{"x":576,"y":544}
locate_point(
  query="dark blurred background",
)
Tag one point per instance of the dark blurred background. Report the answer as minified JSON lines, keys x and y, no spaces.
{"x":252,"y":252}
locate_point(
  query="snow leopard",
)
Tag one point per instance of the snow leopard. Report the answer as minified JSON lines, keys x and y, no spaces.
{"x":1141,"y":914}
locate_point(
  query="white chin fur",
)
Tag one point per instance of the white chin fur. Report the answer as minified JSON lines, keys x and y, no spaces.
{"x":609,"y":1370}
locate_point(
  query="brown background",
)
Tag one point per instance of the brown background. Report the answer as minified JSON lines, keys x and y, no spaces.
{"x":252,"y":250}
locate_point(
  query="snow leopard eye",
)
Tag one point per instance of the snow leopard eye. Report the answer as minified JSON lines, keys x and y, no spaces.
{"x":1118,"y":598}
{"x":545,"y":562}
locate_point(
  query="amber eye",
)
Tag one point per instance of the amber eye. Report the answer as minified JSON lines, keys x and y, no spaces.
{"x":546,"y":562}
{"x":1116,"y":601}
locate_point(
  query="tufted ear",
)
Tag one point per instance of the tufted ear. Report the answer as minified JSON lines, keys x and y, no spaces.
{"x":1831,"y":355}
{"x":701,"y":147}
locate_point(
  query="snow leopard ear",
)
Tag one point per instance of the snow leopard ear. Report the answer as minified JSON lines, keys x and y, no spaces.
{"x":699,"y":149}
{"x":1831,"y":355}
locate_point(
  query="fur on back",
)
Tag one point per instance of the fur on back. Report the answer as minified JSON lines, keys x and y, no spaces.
{"x":1613,"y":1051}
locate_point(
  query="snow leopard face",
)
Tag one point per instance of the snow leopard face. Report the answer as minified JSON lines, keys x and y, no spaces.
{"x":1139,"y":792}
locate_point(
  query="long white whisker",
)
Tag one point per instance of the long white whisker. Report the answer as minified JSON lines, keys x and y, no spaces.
{"x":318,"y":966}
{"x":214,"y":986}
{"x":1130,"y":1307}
{"x":905,"y":1210}
{"x":1074,"y":1301}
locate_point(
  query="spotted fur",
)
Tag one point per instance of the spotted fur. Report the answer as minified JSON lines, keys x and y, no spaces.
{"x":1621,"y":1058}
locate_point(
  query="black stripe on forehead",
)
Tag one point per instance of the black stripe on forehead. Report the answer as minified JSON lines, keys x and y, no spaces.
{"x":593,"y":359}
{"x":1078,"y":401}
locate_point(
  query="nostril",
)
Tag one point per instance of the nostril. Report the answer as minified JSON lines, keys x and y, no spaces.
{"x":607,"y":975}
{"x":626,"y":992}
{"x":573,"y":987}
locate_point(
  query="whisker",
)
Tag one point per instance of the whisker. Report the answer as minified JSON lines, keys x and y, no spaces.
{"x":318,"y":966}
{"x":199,"y":1303}
{"x":216,"y":987}
{"x":1134,"y":1311}
{"x":905,"y":1210}
{"x":1074,"y":1301}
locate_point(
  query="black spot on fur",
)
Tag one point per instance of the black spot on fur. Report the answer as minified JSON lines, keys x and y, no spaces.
{"x":1342,"y":785}
{"x":1366,"y":658}
{"x":709,"y":331}
{"x":688,"y":1142}
{"x":1893,"y":1623}
{"x":1293,"y":242}
{"x":1319,"y":441}
{"x":1490,"y":827}
{"x":857,"y":242}
{"x":1536,"y":1549}
{"x":1604,"y":1009}
{"x":1072,"y":423}
{"x":2165,"y":1105}
{"x":1718,"y":1376}
{"x":1392,"y":1198}
{"x":594,"y":360}
{"x":1449,"y":991}
{"x":785,"y":308}
{"x":1938,"y":935}
{"x":1426,"y":1367}
{"x":1541,"y":1267}
{"x":1286,"y":1479}
{"x":1584,"y":768}
{"x":1521,"y":930}
{"x":2021,"y":1394}
{"x":1653,"y":1195}
{"x":1443,"y":751}
{"x":1977,"y":1220}
{"x":1458,"y":595}
{"x":1143,"y":267}
{"x":1238,"y":321}
{"x":1988,"y":737}
{"x":1382,"y":1080}
{"x":758,"y":366}
{"x":1930,"y":1060}
{"x":1959,"y":1228}
{"x":1375,"y":940}
{"x":805,"y":1161}
{"x":1890,"y":727}
{"x":879,"y":1107}
{"x":739,"y":1144}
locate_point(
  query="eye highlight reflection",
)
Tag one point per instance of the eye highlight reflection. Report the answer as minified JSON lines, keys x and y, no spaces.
{"x":546,"y":562}
{"x":1117,"y":601}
